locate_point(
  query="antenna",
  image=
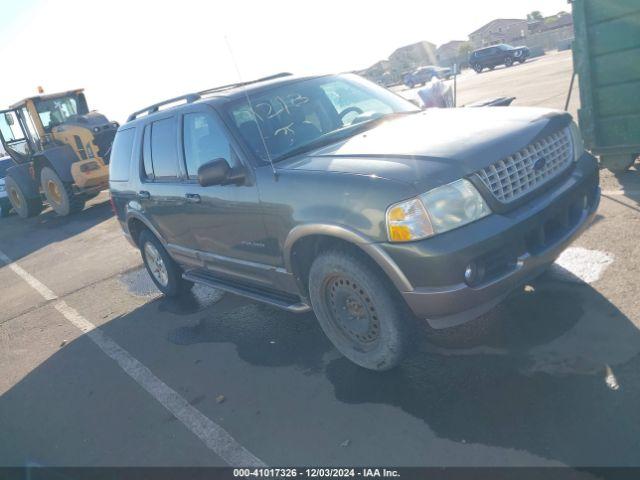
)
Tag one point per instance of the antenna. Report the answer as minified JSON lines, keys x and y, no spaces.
{"x":246,"y":94}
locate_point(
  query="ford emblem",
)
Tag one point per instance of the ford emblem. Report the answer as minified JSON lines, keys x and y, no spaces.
{"x":539,"y":164}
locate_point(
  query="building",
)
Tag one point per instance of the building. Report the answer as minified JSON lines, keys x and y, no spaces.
{"x":450,"y":53}
{"x":413,"y":56}
{"x":404,"y":59}
{"x":561,"y":20}
{"x":500,"y":30}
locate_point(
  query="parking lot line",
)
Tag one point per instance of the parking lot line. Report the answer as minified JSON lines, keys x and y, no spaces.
{"x":210,"y":433}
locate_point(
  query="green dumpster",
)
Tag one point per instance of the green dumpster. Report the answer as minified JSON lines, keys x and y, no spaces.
{"x":606,"y":57}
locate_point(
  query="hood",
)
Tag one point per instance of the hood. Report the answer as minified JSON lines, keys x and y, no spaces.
{"x":436,"y":146}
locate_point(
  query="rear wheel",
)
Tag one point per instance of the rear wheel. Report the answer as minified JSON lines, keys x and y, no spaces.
{"x":478,"y":68}
{"x":60,"y":194}
{"x":24,"y":206}
{"x":163,"y":270}
{"x":358,"y":311}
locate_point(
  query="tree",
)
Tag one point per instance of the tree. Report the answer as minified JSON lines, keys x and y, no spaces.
{"x":534,"y":16}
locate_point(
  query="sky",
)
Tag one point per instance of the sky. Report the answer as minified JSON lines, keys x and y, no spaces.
{"x":128,"y":54}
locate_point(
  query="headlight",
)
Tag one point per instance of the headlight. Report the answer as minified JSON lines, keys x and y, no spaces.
{"x":439,"y":210}
{"x":576,"y":141}
{"x":96,"y":129}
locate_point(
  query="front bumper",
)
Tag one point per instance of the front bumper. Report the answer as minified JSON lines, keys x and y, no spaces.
{"x":505,"y":250}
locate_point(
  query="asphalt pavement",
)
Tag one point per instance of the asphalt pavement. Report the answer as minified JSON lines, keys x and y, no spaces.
{"x":97,"y":369}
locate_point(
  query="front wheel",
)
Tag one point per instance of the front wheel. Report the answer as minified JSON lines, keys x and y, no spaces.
{"x":163,"y":270}
{"x":508,"y":61}
{"x":358,"y":310}
{"x":23,"y":205}
{"x":60,"y":194}
{"x":478,"y":68}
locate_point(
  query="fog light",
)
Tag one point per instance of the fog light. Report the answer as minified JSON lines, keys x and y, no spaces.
{"x":470,"y":273}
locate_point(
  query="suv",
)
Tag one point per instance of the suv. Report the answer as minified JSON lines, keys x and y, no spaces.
{"x":424,"y":75}
{"x":501,"y":54}
{"x":334,"y":194}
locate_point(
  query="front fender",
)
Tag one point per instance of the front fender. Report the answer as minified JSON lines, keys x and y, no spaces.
{"x":373,"y":250}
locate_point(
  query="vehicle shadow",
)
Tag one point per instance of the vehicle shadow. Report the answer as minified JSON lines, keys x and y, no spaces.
{"x":19,"y":236}
{"x":554,"y":372}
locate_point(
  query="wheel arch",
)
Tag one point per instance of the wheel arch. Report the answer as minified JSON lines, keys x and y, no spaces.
{"x":59,"y":158}
{"x":137,"y":223}
{"x":305,"y":242}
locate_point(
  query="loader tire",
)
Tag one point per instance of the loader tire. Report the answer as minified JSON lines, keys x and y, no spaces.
{"x":24,"y":206}
{"x":60,"y":194}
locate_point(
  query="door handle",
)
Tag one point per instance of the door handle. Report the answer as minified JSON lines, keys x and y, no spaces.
{"x":144,"y":194}
{"x":193,"y":198}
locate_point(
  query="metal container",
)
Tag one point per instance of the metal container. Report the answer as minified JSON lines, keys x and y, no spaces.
{"x":606,"y":57}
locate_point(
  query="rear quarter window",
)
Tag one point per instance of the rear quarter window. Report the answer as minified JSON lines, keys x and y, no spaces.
{"x":121,"y":155}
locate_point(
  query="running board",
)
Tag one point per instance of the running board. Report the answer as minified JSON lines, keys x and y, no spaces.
{"x":279,"y":301}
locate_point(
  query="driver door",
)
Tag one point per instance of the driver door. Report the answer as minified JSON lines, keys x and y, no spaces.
{"x":14,"y":136}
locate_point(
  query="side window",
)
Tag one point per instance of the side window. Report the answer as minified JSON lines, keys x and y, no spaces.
{"x":205,"y":139}
{"x":163,"y":151}
{"x":146,"y":155}
{"x":121,"y":155}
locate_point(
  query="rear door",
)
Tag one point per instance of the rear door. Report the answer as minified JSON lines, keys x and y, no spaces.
{"x":162,"y":188}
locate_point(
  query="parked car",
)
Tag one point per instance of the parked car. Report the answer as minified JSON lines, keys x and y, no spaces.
{"x":5,"y":204}
{"x":334,"y":194}
{"x":502,"y":54}
{"x":423,"y":75}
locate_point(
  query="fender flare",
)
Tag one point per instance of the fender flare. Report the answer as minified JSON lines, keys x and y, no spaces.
{"x":373,"y":250}
{"x":133,"y":214}
{"x":22,"y":176}
{"x":60,"y":158}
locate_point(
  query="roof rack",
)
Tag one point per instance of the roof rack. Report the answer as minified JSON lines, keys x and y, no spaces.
{"x":192,"y":97}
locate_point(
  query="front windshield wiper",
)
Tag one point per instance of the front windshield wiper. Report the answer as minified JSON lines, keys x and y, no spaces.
{"x":340,"y":134}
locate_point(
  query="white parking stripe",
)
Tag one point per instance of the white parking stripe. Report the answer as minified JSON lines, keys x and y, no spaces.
{"x":27,"y":277}
{"x":212,"y":435}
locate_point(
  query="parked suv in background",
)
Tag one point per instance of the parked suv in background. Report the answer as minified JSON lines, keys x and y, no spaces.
{"x":335,"y":194}
{"x":423,"y":75}
{"x":502,"y":54}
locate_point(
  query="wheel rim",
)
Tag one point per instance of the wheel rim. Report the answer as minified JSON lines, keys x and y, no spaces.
{"x":54,"y":192}
{"x":352,"y":312}
{"x":15,"y":198}
{"x":156,"y":264}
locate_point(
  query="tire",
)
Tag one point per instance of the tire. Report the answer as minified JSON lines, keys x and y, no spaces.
{"x":478,"y":68}
{"x":508,"y":61}
{"x":25,"y":207}
{"x":171,"y":284}
{"x":359,"y":310}
{"x":60,"y":194}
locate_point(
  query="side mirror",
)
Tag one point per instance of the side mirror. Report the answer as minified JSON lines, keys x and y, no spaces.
{"x":218,"y":172}
{"x":8,"y":118}
{"x":214,"y":172}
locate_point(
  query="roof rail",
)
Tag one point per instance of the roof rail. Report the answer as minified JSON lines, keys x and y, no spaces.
{"x":192,"y":97}
{"x":242,"y":84}
{"x":189,"y":98}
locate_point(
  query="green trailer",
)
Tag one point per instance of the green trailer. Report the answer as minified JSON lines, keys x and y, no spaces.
{"x":606,"y":57}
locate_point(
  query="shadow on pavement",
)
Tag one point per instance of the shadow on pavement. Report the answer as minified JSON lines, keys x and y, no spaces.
{"x":21,"y":236}
{"x":534,"y":381}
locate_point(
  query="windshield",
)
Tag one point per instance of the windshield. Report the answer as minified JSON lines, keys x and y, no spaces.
{"x":287,"y":119}
{"x":55,"y":111}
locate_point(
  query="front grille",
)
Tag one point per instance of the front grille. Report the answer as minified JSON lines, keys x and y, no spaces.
{"x":524,"y":171}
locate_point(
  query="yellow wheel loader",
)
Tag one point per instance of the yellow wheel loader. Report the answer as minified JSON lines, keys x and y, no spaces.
{"x":60,"y":150}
